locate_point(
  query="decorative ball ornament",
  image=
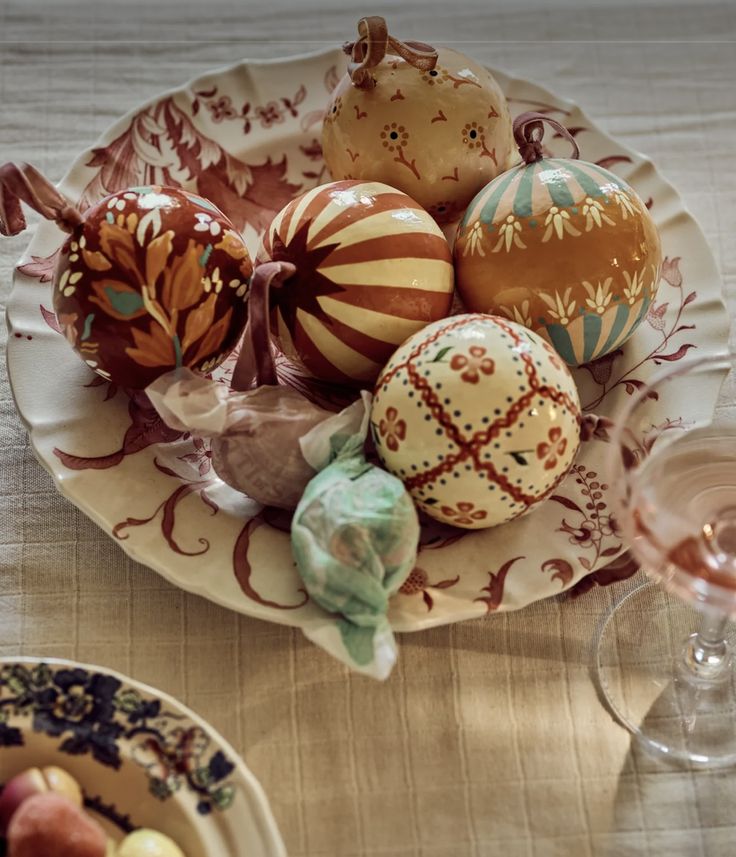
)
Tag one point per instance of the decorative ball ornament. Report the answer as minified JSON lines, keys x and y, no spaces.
{"x":432,"y":123}
{"x":149,"y":279}
{"x":561,"y":246}
{"x":479,"y":418}
{"x":371,"y":269}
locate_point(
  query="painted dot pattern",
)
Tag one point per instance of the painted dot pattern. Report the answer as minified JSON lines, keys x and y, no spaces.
{"x":486,"y":448}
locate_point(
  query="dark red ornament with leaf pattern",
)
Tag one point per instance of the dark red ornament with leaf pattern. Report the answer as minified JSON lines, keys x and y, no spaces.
{"x":149,"y":279}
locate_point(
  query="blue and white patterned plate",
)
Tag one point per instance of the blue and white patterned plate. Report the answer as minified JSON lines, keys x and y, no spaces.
{"x":141,"y":758}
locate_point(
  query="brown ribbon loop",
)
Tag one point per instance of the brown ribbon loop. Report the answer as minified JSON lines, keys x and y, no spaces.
{"x":256,"y":354}
{"x":372,"y":45}
{"x":23,"y":183}
{"x":529,"y":133}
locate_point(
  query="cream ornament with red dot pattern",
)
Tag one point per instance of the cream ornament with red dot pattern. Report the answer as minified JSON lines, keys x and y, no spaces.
{"x":479,"y":418}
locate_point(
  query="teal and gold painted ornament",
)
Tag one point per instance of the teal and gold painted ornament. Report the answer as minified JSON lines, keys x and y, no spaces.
{"x":562,"y":246}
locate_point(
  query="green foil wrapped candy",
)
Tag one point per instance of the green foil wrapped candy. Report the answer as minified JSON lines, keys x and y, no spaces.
{"x":354,"y":537}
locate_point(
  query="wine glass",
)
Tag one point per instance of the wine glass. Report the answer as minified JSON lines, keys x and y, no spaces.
{"x":664,"y":655}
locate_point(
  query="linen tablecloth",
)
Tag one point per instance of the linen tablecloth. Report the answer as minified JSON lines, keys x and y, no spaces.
{"x":488,"y":739}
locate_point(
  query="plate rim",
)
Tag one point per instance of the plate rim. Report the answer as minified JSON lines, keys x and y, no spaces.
{"x":254,"y":790}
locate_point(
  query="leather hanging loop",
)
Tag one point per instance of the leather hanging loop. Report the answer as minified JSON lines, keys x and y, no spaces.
{"x":529,"y":133}
{"x":372,"y":45}
{"x":256,"y":354}
{"x":22,"y":182}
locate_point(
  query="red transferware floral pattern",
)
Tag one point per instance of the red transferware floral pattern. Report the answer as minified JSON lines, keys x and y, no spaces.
{"x":247,"y":138}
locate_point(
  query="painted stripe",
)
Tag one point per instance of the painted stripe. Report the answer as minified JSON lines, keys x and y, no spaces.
{"x":299,"y":214}
{"x":398,"y":303}
{"x":431,"y":275}
{"x":314,"y":360}
{"x":592,"y":325}
{"x":286,"y":219}
{"x":472,"y":212}
{"x":608,"y":319}
{"x":608,"y":177}
{"x":382,"y":221}
{"x":623,"y":314}
{"x":412,"y":245}
{"x":488,"y":212}
{"x":348,"y":361}
{"x":646,"y":303}
{"x":343,"y":214}
{"x":556,"y":178}
{"x":523,"y":201}
{"x":506,"y":203}
{"x":332,"y":199}
{"x":378,"y":350}
{"x":541,"y":201}
{"x":590,"y":186}
{"x":283,"y":333}
{"x":387,"y":328}
{"x":562,"y":343}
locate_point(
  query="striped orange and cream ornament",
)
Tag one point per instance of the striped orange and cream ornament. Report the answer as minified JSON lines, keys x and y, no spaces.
{"x":372,"y":268}
{"x":479,"y":417}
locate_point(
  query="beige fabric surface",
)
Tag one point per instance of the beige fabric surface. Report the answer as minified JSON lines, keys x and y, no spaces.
{"x":488,"y":739}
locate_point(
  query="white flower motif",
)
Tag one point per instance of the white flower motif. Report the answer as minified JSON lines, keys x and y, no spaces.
{"x":474,"y":240}
{"x":213,"y":283}
{"x":117,"y":203}
{"x":599,"y":297}
{"x":68,"y":282}
{"x":558,"y":222}
{"x":241,"y":288}
{"x":520,"y":315}
{"x":560,"y":308}
{"x":622,"y":199}
{"x":634,"y":285}
{"x":205,"y":223}
{"x":595,"y":214}
{"x":509,"y":235}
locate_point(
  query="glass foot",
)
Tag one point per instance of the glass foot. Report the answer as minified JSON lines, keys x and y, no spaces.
{"x":677,"y":707}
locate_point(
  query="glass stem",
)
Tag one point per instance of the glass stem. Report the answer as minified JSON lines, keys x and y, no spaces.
{"x":707,"y":654}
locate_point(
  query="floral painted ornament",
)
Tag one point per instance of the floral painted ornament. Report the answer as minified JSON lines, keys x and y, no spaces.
{"x":432,"y":123}
{"x":371,"y":268}
{"x":561,"y":246}
{"x":149,"y":279}
{"x":478,"y":417}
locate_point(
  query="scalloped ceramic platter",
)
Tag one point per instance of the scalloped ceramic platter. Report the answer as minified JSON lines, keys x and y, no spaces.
{"x":247,"y":137}
{"x":141,"y":758}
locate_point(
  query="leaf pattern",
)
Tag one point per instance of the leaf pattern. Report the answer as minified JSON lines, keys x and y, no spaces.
{"x":214,"y":337}
{"x":109,"y":295}
{"x":154,"y":348}
{"x":157,"y":257}
{"x":40,"y":268}
{"x":198,"y":321}
{"x":162,"y":146}
{"x":182,"y":278}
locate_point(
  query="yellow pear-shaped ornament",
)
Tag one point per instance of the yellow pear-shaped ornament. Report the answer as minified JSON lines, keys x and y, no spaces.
{"x":431,"y":123}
